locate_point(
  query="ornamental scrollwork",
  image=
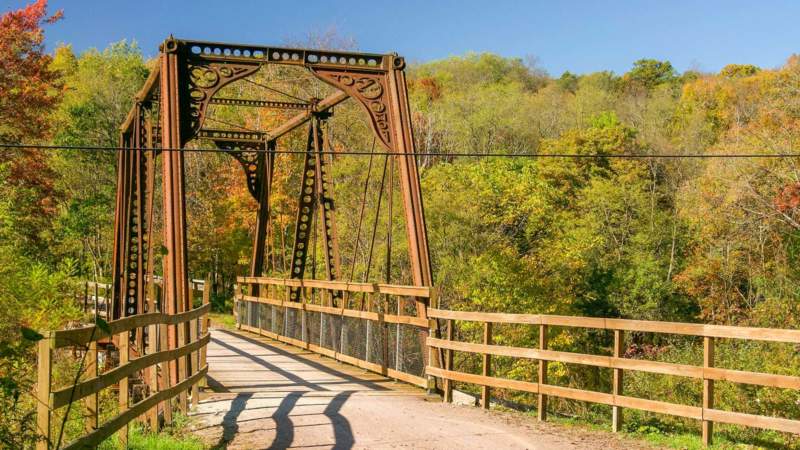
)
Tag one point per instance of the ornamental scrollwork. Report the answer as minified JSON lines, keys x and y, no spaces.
{"x":247,"y":153}
{"x":205,"y":79}
{"x":370,"y":90}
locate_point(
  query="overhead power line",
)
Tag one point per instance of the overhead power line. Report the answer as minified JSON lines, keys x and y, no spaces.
{"x":90,"y":148}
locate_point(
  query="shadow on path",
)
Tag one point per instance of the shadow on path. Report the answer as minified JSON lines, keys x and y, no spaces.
{"x":285,"y":429}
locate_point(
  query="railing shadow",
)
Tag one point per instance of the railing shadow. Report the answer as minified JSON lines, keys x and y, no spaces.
{"x":285,"y":430}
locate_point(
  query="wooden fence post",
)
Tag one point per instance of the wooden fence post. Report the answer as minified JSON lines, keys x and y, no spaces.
{"x":204,"y":324}
{"x":45,"y":360}
{"x":487,"y":365}
{"x":542,"y":407}
{"x":152,"y":347}
{"x":448,"y":364}
{"x":183,"y":401}
{"x":195,"y":361}
{"x":616,"y":411}
{"x":124,"y":342}
{"x":91,"y":400}
{"x":165,"y":368}
{"x":708,"y":389}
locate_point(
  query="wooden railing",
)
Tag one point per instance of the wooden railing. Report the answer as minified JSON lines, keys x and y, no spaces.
{"x":706,"y":413}
{"x":186,"y":361}
{"x":99,"y":304}
{"x":377,"y":305}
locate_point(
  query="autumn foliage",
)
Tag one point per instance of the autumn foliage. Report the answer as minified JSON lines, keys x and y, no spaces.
{"x":29,"y":88}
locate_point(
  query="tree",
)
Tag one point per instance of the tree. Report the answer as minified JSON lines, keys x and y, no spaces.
{"x":649,"y":73}
{"x":29,"y":87}
{"x":738,"y":70}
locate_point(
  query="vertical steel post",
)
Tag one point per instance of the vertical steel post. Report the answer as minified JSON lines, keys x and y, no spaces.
{"x":176,"y":284}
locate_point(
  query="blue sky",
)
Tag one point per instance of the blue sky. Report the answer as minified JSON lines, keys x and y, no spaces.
{"x":580,"y":36}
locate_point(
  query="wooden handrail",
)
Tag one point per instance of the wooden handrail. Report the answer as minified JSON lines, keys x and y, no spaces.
{"x":84,"y":335}
{"x":368,"y":288}
{"x":188,"y":347}
{"x":707,"y":373}
{"x":111,"y":426}
{"x":85,"y":388}
{"x":325,"y":298}
{"x":690,"y":329}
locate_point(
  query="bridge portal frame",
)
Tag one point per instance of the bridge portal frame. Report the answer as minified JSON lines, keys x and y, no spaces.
{"x":170,"y":111}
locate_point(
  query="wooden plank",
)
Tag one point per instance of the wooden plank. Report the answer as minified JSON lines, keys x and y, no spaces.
{"x":616,"y":383}
{"x":541,"y":409}
{"x":487,"y":365}
{"x":111,"y":426}
{"x":91,"y":402}
{"x":533,"y":319}
{"x":674,"y":409}
{"x":194,"y":361}
{"x":574,"y":321}
{"x":692,"y":412}
{"x":572,"y":358}
{"x":183,"y":401}
{"x":448,"y":362}
{"x":335,"y":311}
{"x":500,"y":383}
{"x":165,"y":375}
{"x":762,"y":379}
{"x":93,"y":385}
{"x":751,"y":420}
{"x":124,"y":354}
{"x":708,"y":390}
{"x":81,"y":336}
{"x":692,"y":329}
{"x":204,"y":324}
{"x":576,"y":394}
{"x":43,"y":381}
{"x":378,"y":288}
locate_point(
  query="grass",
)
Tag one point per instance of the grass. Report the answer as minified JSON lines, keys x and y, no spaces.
{"x":657,"y":434}
{"x":222,"y":320}
{"x":172,"y":437}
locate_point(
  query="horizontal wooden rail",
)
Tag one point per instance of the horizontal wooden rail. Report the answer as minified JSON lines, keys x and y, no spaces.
{"x":84,"y":335}
{"x":332,"y":310}
{"x":113,"y":425}
{"x":83,"y":389}
{"x":691,"y":329}
{"x":707,"y":372}
{"x":368,"y":288}
{"x":169,"y":365}
{"x":338,"y":299}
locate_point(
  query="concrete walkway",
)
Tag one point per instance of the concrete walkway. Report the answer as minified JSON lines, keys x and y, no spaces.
{"x":271,"y":395}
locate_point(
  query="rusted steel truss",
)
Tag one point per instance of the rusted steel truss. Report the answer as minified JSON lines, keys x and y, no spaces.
{"x":170,"y":111}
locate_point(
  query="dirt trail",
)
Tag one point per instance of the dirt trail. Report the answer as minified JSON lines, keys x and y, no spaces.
{"x":271,"y":395}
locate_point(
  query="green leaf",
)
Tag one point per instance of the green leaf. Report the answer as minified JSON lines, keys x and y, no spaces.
{"x":31,"y":335}
{"x":163,"y":251}
{"x":103,"y":325}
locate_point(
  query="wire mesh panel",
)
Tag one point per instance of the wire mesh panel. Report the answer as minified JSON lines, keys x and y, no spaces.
{"x":312,"y":327}
{"x":263,"y":316}
{"x":370,"y":325}
{"x":354,"y":337}
{"x":279,"y":321}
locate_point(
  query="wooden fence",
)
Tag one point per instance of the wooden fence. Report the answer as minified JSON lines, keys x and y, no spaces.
{"x":375,"y":305}
{"x":706,"y":413}
{"x":187,"y":362}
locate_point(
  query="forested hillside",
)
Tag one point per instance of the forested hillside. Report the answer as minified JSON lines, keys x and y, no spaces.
{"x":712,"y":240}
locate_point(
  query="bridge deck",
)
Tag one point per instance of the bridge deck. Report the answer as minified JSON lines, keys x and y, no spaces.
{"x":271,"y":395}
